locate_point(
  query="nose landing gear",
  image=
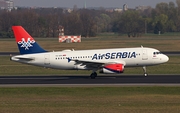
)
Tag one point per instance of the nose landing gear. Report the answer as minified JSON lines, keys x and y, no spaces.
{"x":145,"y":71}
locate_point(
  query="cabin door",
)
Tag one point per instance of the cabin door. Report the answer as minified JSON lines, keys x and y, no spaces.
{"x":46,"y":59}
{"x":144,"y":54}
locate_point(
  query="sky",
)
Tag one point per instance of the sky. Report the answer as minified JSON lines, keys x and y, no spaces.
{"x":90,"y":3}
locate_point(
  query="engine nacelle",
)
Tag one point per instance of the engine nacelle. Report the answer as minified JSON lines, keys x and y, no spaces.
{"x":112,"y":69}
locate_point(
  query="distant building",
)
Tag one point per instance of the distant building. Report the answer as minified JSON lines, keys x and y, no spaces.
{"x":110,"y":10}
{"x":118,"y":10}
{"x":85,"y":5}
{"x":69,"y":10}
{"x":142,"y":8}
{"x":125,"y":7}
{"x":7,"y":4}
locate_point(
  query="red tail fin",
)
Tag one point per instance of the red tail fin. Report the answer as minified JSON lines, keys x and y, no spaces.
{"x":26,"y":43}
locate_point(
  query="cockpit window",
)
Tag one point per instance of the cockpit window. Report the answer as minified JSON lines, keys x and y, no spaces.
{"x":157,"y":53}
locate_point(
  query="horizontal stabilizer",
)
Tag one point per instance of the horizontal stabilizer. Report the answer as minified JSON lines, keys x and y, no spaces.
{"x":20,"y":59}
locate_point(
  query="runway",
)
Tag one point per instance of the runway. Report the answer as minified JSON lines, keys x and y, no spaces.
{"x":86,"y":80}
{"x":108,"y":80}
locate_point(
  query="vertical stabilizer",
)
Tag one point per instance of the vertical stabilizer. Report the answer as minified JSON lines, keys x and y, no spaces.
{"x":26,"y":44}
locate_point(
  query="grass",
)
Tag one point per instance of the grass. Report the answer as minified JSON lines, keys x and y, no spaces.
{"x":90,"y":100}
{"x":163,"y":43}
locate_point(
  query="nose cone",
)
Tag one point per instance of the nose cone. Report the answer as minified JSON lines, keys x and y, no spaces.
{"x":165,"y":58}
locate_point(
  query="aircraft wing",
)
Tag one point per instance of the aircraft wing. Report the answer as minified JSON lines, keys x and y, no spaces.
{"x":95,"y":64}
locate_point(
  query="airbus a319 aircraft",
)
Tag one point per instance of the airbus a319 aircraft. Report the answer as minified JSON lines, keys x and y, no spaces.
{"x":107,"y":61}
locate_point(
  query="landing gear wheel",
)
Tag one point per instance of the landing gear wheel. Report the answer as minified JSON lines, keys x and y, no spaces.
{"x":93,"y":75}
{"x":145,"y":72}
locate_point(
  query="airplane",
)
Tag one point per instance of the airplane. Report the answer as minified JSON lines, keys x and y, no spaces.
{"x":107,"y":61}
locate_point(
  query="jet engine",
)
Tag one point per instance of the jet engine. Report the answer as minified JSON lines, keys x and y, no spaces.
{"x":112,"y":69}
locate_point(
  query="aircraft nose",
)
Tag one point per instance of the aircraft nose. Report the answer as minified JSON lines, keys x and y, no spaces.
{"x":166,"y":58}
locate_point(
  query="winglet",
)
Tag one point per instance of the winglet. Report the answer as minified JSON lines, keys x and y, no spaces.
{"x":26,"y":44}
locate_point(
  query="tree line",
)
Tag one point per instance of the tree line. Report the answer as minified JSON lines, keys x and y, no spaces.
{"x":45,"y":22}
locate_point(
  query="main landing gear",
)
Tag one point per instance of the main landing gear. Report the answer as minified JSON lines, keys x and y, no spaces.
{"x":145,"y":71}
{"x":93,"y":75}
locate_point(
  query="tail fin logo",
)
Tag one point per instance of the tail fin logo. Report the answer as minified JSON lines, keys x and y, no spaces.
{"x":27,"y":44}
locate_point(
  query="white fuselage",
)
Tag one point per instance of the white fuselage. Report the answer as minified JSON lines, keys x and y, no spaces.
{"x":67,"y":59}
